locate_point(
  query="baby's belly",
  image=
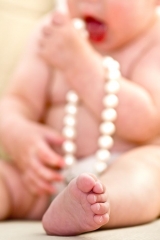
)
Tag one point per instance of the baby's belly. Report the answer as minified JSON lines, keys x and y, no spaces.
{"x":87,"y":131}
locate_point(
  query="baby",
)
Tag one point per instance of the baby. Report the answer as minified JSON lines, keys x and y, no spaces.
{"x":62,"y":63}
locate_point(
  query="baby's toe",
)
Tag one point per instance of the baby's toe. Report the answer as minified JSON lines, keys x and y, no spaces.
{"x":94,"y":198}
{"x":99,"y":188}
{"x":101,"y":219}
{"x":100,"y":208}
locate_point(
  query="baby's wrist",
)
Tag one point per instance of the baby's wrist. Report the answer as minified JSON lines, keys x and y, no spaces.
{"x":85,"y":63}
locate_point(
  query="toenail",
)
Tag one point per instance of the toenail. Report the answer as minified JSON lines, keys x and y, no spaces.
{"x":100,"y":219}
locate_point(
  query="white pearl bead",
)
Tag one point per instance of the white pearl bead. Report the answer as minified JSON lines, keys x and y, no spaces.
{"x":111,"y":100}
{"x":69,"y":120}
{"x":71,"y":109}
{"x":114,"y":75}
{"x":100,"y":167}
{"x":69,"y":132}
{"x":72,"y":97}
{"x":109,"y":62}
{"x":107,"y":128}
{"x":105,"y":142}
{"x":78,"y":23}
{"x":112,"y":87}
{"x":69,"y":147}
{"x":109,"y":114}
{"x":103,"y":155}
{"x":69,"y":159}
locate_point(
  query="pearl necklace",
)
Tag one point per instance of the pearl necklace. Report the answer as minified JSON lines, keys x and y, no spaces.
{"x":108,"y":116}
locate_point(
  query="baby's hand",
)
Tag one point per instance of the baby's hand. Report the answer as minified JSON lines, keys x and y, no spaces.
{"x":38,"y":161}
{"x":60,"y":43}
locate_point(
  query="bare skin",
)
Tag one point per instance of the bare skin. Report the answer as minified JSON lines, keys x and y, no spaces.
{"x":128,"y":201}
{"x":14,"y":193}
{"x":31,"y":121}
{"x":85,"y":194}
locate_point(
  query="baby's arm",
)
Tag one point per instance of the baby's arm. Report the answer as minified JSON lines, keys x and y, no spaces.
{"x":139,"y":104}
{"x":28,"y":142}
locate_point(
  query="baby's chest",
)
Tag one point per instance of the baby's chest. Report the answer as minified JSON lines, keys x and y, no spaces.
{"x":87,"y":128}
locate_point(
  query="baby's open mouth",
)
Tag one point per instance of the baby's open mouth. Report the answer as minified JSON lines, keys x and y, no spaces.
{"x":96,"y":29}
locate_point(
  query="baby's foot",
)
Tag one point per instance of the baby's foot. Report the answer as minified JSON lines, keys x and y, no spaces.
{"x":81,"y":207}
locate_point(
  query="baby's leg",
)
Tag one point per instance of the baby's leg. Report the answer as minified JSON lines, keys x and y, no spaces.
{"x":82,"y":207}
{"x":133,"y":184}
{"x":15,"y":200}
{"x":5,"y":202}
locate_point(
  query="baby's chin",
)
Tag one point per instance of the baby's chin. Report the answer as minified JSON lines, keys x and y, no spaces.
{"x":100,"y":47}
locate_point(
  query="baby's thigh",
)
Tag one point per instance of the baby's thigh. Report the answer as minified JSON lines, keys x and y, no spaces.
{"x":142,"y":161}
{"x":133,"y":164}
{"x":19,"y":202}
{"x":149,"y":155}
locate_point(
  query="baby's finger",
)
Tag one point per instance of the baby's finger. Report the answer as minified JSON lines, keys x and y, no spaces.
{"x":53,"y":137}
{"x":36,"y":185}
{"x":45,"y":173}
{"x":49,"y":157}
{"x":59,"y":18}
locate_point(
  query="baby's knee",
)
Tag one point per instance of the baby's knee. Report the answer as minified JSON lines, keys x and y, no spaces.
{"x":5,"y":193}
{"x":5,"y":203}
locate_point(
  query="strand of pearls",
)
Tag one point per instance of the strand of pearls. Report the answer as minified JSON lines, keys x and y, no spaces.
{"x":108,"y":116}
{"x":69,"y":129}
{"x":110,"y":101}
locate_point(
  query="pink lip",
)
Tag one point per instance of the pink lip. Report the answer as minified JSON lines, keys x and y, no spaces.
{"x":97,"y":30}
